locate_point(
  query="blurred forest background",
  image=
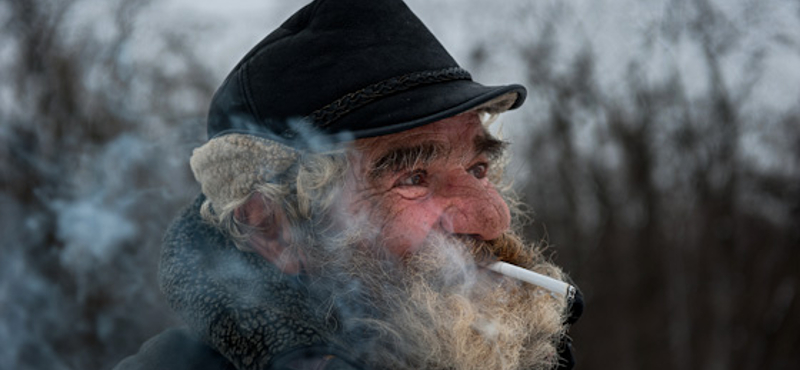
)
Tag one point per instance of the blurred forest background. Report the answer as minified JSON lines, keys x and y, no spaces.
{"x":659,"y":153}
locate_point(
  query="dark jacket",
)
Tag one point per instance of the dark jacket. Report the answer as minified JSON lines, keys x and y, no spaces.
{"x":178,"y":349}
{"x":241,"y":312}
{"x":175,"y":349}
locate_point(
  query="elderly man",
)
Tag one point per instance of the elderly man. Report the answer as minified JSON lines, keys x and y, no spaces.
{"x":352,"y":201}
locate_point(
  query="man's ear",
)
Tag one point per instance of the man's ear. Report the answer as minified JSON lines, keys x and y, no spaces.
{"x":271,"y":236}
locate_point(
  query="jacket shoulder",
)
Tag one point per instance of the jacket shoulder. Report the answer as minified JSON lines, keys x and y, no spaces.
{"x":175,"y":349}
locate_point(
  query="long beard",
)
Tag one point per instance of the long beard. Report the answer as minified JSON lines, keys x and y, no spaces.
{"x":439,"y":309}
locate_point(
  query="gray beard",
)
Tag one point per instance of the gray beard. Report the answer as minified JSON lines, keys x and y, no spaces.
{"x":439,"y":309}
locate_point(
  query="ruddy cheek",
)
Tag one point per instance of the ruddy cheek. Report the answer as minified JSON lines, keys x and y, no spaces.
{"x":409,"y":228}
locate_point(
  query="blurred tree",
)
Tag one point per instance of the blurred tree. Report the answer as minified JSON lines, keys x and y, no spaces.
{"x":681,"y":232}
{"x":93,"y":143}
{"x":686,"y":246}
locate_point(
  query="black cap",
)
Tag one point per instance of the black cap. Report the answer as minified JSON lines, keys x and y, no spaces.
{"x":343,"y":70}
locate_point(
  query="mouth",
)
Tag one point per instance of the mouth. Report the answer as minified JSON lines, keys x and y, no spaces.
{"x":506,"y":248}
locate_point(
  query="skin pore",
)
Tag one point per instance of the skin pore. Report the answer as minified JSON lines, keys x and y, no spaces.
{"x":430,"y":179}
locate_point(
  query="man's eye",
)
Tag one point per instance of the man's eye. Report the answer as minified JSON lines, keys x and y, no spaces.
{"x":479,"y":170}
{"x":416,"y":178}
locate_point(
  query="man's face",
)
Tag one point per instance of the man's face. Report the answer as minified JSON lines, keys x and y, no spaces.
{"x":438,"y":309}
{"x":431,"y":179}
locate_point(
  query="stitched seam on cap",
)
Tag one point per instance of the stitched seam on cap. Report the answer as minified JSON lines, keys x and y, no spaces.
{"x":339,"y":107}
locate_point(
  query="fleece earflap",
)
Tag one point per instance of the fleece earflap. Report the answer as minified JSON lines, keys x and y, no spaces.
{"x":228,"y":167}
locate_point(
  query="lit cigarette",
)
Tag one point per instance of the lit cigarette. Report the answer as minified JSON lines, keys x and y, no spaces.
{"x":519,"y":273}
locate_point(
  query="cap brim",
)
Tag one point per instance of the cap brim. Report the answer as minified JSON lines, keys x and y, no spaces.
{"x":426,"y":104}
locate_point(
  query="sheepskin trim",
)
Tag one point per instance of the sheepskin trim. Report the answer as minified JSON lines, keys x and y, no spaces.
{"x":499,"y":104}
{"x":228,"y":166}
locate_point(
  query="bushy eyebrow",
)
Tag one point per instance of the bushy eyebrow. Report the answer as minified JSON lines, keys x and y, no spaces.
{"x":490,"y":146}
{"x":403,"y":159}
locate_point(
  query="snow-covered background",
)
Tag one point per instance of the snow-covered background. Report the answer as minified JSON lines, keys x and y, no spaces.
{"x":658,"y":151}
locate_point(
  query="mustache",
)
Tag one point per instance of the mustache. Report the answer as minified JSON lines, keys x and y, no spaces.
{"x":507,"y":248}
